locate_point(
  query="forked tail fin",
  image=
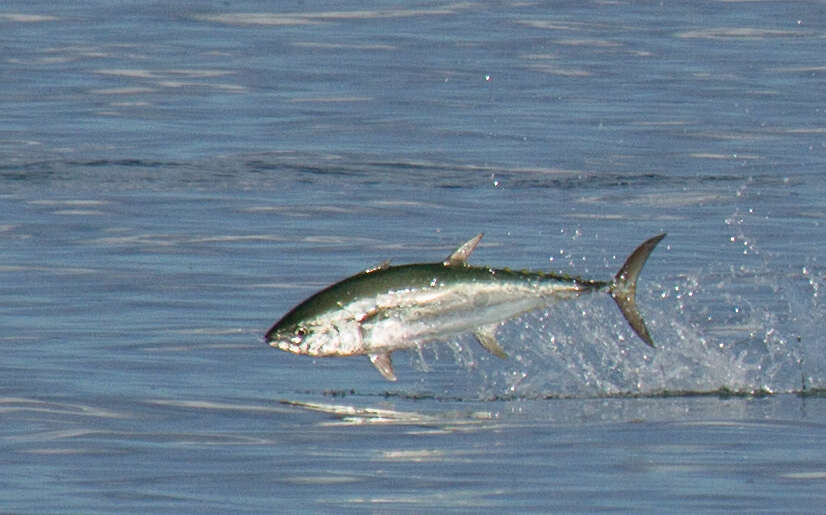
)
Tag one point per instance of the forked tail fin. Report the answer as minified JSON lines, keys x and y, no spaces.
{"x":624,"y":287}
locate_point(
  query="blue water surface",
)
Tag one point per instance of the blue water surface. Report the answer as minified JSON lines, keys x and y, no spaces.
{"x":175,"y":177}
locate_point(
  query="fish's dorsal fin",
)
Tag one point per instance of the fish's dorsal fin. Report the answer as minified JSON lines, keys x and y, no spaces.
{"x":486,"y":335}
{"x":384,"y":265}
{"x":384,"y":365}
{"x":460,"y":255}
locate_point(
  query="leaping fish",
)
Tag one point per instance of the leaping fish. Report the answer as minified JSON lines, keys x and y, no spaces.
{"x":387,"y":308}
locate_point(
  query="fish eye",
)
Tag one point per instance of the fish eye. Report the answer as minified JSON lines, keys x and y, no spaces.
{"x":298,"y":335}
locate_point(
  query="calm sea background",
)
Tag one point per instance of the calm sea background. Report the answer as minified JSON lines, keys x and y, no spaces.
{"x":175,"y":176}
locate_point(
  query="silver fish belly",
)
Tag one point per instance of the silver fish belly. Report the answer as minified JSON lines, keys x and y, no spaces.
{"x":386,"y":308}
{"x":407,"y":318}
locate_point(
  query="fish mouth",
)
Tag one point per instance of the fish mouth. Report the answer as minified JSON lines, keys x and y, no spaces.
{"x":286,"y":342}
{"x":284,"y":345}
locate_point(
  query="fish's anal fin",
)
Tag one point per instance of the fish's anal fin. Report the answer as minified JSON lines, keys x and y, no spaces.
{"x":486,"y":336}
{"x":384,"y":365}
{"x":459,"y":256}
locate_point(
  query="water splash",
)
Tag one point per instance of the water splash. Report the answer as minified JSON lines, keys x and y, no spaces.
{"x":749,"y":328}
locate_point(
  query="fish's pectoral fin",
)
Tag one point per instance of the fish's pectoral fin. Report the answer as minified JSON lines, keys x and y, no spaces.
{"x":383,"y":364}
{"x":487,"y":338}
{"x":460,"y":255}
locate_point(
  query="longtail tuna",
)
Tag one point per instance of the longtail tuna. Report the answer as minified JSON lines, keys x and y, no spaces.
{"x":387,"y":308}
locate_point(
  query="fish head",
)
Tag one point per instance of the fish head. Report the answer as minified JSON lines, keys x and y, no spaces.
{"x":327,"y":324}
{"x":293,"y":338}
{"x":317,"y":337}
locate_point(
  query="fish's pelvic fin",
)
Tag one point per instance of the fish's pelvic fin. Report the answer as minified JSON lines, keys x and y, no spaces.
{"x":383,"y":364}
{"x":460,"y":255}
{"x":486,"y":336}
{"x":624,"y":287}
